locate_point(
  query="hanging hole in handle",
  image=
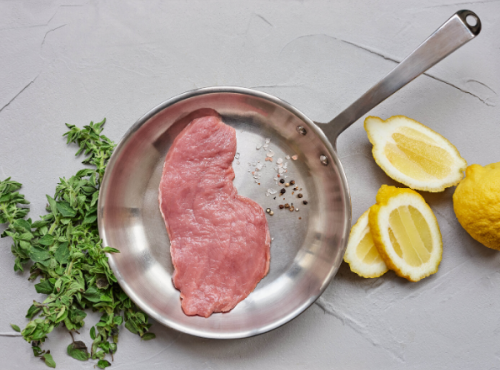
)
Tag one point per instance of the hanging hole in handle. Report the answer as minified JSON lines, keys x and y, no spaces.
{"x":471,"y":20}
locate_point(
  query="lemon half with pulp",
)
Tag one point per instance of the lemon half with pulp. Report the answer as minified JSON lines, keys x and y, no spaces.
{"x":413,"y":154}
{"x":406,"y":233}
{"x":361,"y":254}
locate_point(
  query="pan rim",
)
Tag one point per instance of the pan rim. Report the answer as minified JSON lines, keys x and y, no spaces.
{"x":215,"y":90}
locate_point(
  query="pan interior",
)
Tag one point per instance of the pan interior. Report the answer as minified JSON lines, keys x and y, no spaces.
{"x":307,"y":246}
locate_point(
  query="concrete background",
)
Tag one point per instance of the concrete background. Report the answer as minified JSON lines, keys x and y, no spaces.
{"x":76,"y":61}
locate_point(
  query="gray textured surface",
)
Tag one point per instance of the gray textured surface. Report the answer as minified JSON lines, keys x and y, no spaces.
{"x":80,"y":61}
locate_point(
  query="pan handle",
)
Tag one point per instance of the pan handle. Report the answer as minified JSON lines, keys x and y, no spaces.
{"x":462,"y":27}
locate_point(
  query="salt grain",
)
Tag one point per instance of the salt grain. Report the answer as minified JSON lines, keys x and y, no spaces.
{"x":279,"y":161}
{"x":271,"y":191}
{"x":294,"y":157}
{"x":270,"y":153}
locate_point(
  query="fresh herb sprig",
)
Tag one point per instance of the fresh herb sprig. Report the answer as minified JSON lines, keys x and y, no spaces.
{"x":67,"y":254}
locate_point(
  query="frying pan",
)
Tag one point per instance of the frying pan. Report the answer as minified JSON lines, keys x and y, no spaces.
{"x":307,"y":246}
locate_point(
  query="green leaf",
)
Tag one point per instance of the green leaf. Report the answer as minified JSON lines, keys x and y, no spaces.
{"x":17,"y":265}
{"x":92,"y":332}
{"x":148,"y":336}
{"x":110,"y":250}
{"x":38,"y":254}
{"x":105,"y":346}
{"x":77,"y":316}
{"x":49,"y":361}
{"x":32,"y":311}
{"x":22,"y":224}
{"x":65,"y":209}
{"x":95,"y":198}
{"x":38,"y":224}
{"x":113,"y":348}
{"x":102,"y":364}
{"x":90,"y":219}
{"x":93,"y":294}
{"x":78,"y":350}
{"x":15,"y":327}
{"x":46,"y":240}
{"x":45,"y":287}
{"x":132,"y":327}
{"x":37,"y":351}
{"x":105,"y":298}
{"x":62,"y":253}
{"x":53,"y":205}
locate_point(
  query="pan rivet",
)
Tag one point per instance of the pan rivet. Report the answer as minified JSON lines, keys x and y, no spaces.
{"x":301,"y":130}
{"x":323,"y":159}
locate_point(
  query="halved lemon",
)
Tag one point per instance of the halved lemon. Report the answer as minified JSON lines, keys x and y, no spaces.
{"x":413,"y":154}
{"x":406,"y":233}
{"x":361,"y":254}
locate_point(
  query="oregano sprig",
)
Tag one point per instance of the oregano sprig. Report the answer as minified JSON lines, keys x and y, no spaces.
{"x":69,"y":258}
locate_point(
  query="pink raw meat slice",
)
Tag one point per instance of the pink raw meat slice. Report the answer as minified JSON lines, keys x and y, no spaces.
{"x":219,"y":239}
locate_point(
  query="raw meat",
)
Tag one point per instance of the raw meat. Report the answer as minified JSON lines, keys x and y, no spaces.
{"x":219,"y":239}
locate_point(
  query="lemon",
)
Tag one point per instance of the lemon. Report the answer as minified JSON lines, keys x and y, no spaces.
{"x":406,"y":233}
{"x":413,"y":154}
{"x":476,"y":202}
{"x":361,"y":254}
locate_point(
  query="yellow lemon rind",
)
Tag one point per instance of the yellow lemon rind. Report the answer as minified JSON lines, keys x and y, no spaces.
{"x":388,"y":199}
{"x":379,"y":132}
{"x":476,"y":203}
{"x":357,"y":233}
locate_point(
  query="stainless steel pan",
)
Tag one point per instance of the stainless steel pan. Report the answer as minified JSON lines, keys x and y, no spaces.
{"x":306,"y":252}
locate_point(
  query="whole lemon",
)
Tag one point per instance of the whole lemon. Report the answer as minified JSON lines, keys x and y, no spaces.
{"x":476,"y":202}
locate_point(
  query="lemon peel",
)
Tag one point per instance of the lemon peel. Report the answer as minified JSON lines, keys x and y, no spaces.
{"x":361,"y":254}
{"x":413,"y":154}
{"x":476,"y":203}
{"x":406,"y":233}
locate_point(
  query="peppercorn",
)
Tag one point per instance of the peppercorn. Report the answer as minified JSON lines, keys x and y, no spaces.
{"x":287,"y":184}
{"x":291,"y":209}
{"x":299,"y":195}
{"x":282,"y":206}
{"x":268,"y":210}
{"x":282,"y":181}
{"x":292,"y":182}
{"x":282,"y":191}
{"x":287,"y":205}
{"x":305,"y":202}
